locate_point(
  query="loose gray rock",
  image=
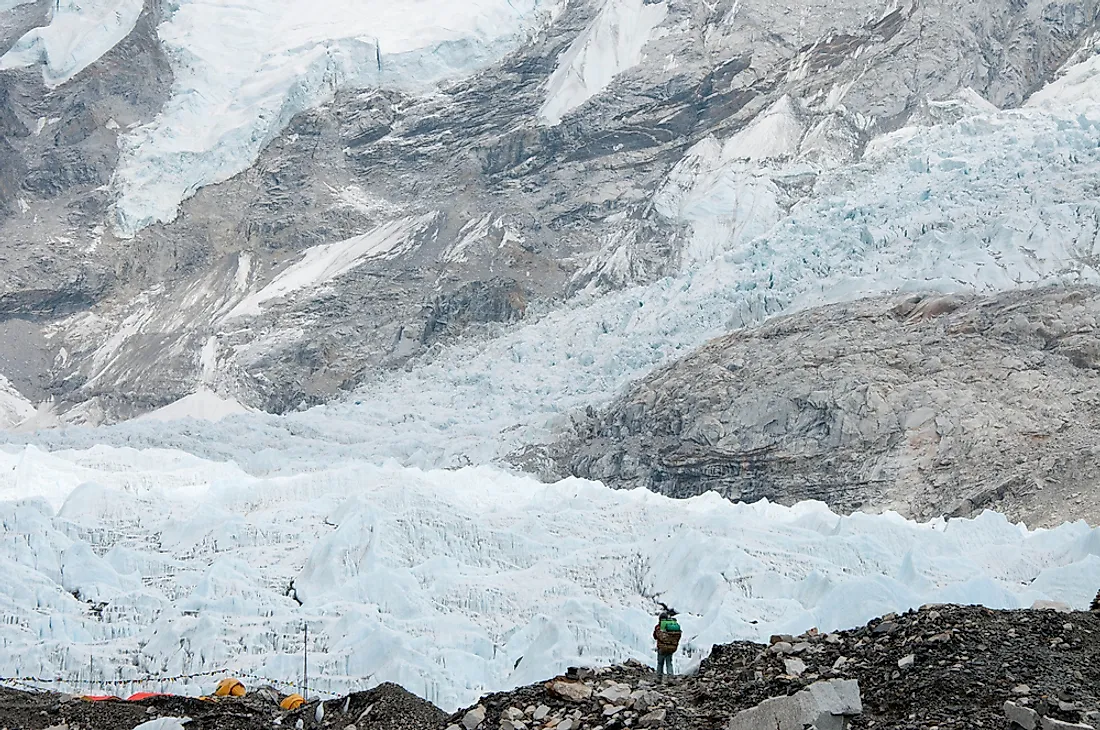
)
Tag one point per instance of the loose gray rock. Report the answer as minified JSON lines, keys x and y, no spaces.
{"x":474,"y":718}
{"x":826,"y":705}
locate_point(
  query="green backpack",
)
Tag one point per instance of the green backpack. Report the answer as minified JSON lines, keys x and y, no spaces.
{"x":670,"y":624}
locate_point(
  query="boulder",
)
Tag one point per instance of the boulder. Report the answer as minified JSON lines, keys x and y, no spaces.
{"x":1049,"y":723}
{"x":794,"y":667}
{"x":572,"y":691}
{"x":827,"y":705}
{"x":474,"y":718}
{"x":653,"y":719}
{"x":1019,"y":716}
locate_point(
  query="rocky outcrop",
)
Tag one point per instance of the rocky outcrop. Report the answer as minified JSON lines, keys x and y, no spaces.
{"x":937,"y":405}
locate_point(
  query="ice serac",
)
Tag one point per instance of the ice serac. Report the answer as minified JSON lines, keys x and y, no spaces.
{"x":79,"y":32}
{"x":611,"y":44}
{"x":443,"y":580}
{"x":243,"y":70}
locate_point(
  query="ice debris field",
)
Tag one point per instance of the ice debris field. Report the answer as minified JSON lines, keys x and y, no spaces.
{"x":122,"y":564}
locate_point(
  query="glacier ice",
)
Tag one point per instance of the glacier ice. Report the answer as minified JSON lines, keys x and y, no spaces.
{"x":612,"y":43}
{"x":121,"y":564}
{"x":79,"y":32}
{"x":243,"y":70}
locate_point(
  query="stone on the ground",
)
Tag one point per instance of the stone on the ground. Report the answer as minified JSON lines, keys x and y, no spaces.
{"x":827,"y":705}
{"x":616,"y":693}
{"x":1049,"y":723}
{"x":906,"y":661}
{"x":512,"y":713}
{"x":541,"y":712}
{"x":1051,"y":605}
{"x":794,"y":667}
{"x":781,"y":647}
{"x":653,"y":719}
{"x":474,"y":718}
{"x":1023,"y":717}
{"x":646,"y":699}
{"x":572,"y":691}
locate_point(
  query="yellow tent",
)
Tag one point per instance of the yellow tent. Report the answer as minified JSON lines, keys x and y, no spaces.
{"x":229,"y":687}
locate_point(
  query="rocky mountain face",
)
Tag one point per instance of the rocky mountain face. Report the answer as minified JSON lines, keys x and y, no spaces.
{"x":386,"y":222}
{"x":933,"y":405}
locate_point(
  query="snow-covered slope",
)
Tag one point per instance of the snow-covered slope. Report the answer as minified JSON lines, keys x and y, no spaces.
{"x":612,"y":43}
{"x":202,"y":405}
{"x":14,"y":408}
{"x":122,"y":564}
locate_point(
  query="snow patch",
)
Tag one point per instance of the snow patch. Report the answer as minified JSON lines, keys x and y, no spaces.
{"x":14,"y":408}
{"x":774,"y":134}
{"x":321,"y":264}
{"x":79,"y":33}
{"x":612,"y":44}
{"x":204,"y":405}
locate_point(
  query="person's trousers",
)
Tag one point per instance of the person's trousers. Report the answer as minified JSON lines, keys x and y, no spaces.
{"x":663,"y":660}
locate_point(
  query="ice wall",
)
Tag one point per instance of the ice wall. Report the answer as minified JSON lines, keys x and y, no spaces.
{"x":120,"y":564}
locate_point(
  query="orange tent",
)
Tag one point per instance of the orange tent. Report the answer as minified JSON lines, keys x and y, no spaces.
{"x":292,"y":702}
{"x":229,"y":687}
{"x":144,"y":696}
{"x":98,"y":698}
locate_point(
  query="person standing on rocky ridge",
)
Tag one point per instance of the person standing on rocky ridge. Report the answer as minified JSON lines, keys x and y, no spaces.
{"x":667,"y":635}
